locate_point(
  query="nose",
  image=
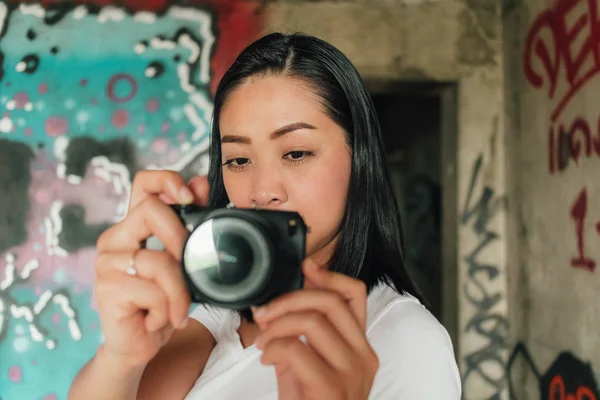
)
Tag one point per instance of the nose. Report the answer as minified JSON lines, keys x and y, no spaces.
{"x":268,"y":189}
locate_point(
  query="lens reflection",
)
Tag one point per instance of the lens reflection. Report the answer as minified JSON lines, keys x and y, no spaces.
{"x":227,"y":259}
{"x":222,"y":255}
{"x":234,"y":259}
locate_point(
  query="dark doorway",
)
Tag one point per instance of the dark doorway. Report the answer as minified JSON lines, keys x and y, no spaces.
{"x":420,"y":145}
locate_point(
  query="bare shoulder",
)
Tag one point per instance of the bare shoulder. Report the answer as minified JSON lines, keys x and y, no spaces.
{"x":174,"y":370}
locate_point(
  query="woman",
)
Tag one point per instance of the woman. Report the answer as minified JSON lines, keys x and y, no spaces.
{"x":294,"y":129}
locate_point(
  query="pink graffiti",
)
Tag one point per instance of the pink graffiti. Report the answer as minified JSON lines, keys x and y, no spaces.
{"x":15,"y":373}
{"x":92,"y":193}
{"x":20,"y":99}
{"x":120,"y":119}
{"x":42,"y":197}
{"x":152,"y":105}
{"x":56,"y":126}
{"x":159,"y":145}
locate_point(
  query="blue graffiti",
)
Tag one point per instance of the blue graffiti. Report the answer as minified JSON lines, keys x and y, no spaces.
{"x":105,"y":73}
{"x":84,"y":88}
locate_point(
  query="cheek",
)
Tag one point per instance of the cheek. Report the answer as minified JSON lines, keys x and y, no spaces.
{"x":237,"y":189}
{"x":321,"y":198}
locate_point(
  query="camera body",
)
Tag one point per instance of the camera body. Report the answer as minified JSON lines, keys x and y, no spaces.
{"x":237,"y":258}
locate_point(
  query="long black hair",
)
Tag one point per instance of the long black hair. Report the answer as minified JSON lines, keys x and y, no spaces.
{"x":371,"y":244}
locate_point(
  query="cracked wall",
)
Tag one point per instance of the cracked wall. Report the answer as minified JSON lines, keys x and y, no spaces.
{"x":552,"y":87}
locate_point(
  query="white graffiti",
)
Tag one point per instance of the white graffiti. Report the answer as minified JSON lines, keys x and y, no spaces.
{"x":118,"y":175}
{"x":9,"y":306}
{"x":199,"y":53}
{"x":53,"y":227}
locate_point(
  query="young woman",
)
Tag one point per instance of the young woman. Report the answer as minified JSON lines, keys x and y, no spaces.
{"x":294,"y":129}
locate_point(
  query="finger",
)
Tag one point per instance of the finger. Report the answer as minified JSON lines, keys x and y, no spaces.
{"x":325,"y":302}
{"x":167,"y":199}
{"x":312,"y":372}
{"x":128,"y":296}
{"x":321,"y":335}
{"x":151,"y":217}
{"x":352,"y":290}
{"x":154,"y":182}
{"x":200,"y":189}
{"x":156,"y":266}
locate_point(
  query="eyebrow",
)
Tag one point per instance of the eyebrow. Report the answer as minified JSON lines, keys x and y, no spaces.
{"x":274,"y":135}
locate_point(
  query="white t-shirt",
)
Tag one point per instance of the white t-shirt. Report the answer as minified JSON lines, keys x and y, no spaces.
{"x":416,"y":358}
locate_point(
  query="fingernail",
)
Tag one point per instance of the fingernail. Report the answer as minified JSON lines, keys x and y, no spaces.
{"x":185,"y":195}
{"x":258,"y":311}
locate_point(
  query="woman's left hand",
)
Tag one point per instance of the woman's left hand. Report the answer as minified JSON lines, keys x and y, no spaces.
{"x":338,"y":361}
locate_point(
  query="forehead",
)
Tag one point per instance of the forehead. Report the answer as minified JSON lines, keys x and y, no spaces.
{"x":274,"y":98}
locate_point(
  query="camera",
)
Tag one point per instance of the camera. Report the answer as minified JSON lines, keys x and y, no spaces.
{"x":237,"y":258}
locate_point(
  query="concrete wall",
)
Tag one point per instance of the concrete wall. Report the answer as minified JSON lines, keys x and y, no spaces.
{"x":552,"y":93}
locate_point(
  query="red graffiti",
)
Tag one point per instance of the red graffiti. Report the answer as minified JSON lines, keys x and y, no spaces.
{"x":578,"y":214}
{"x":558,"y":392}
{"x":571,"y":142}
{"x":112,"y":83}
{"x":574,"y":45}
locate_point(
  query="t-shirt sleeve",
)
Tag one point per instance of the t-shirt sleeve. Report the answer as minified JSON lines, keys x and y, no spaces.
{"x":416,"y":358}
{"x":209,"y":316}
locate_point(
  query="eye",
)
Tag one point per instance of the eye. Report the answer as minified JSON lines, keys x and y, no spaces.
{"x":154,"y":70}
{"x":28,"y":64}
{"x":236,"y":163}
{"x":298,"y":156}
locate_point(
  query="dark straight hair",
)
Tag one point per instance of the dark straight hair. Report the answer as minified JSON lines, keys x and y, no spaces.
{"x":371,"y":244}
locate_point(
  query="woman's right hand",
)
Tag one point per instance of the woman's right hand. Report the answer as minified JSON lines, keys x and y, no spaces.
{"x":138,"y":313}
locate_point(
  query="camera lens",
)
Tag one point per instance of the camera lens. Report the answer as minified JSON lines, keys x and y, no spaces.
{"x":227,"y":258}
{"x":234,"y":259}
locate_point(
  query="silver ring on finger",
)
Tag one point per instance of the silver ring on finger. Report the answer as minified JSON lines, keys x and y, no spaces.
{"x":131,"y":270}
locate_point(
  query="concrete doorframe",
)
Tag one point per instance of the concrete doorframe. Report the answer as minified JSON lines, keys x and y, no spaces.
{"x":447,"y":92}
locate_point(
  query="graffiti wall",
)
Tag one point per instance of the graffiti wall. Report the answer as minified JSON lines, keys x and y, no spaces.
{"x":567,"y":377}
{"x":555,"y":90}
{"x":485,"y":326}
{"x":88,"y":96}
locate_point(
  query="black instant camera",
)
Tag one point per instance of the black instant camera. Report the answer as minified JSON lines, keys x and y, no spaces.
{"x":236,"y":258}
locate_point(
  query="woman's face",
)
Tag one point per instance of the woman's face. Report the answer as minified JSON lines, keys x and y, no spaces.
{"x":282,"y":152}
